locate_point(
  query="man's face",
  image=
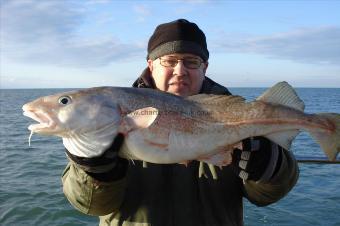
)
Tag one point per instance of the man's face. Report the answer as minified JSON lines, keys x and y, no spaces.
{"x":181,"y":79}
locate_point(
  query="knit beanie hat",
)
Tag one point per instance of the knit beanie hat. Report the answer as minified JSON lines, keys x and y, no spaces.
{"x":179,"y":36}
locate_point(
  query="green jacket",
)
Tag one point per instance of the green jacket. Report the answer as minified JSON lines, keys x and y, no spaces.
{"x":173,"y":194}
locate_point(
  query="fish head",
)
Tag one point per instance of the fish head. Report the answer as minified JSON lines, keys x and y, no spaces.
{"x":73,"y":112}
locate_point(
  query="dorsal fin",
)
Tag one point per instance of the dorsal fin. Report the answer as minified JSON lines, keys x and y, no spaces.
{"x":212,"y":99}
{"x":284,"y":94}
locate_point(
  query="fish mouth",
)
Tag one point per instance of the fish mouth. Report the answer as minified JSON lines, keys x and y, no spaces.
{"x":45,"y":122}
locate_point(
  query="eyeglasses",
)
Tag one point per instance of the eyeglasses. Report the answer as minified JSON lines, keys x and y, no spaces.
{"x":191,"y":63}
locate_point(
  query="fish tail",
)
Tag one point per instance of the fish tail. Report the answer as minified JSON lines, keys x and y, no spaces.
{"x":329,"y":141}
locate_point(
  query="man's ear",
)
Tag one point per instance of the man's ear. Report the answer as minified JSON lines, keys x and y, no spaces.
{"x":206,"y":64}
{"x":150,"y":65}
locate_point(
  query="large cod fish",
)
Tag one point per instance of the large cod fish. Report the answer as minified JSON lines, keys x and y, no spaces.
{"x":163,"y":128}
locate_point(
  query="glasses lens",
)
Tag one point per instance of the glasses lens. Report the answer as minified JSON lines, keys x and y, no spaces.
{"x":192,"y":63}
{"x":168,"y":62}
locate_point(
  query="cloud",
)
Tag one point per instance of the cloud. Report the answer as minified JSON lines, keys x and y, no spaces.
{"x":84,"y":53}
{"x":47,"y":32}
{"x":312,"y":45}
{"x":33,"y":22}
{"x":97,"y":2}
{"x":142,"y":12}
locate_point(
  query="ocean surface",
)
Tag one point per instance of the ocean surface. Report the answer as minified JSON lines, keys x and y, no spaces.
{"x":31,"y":189}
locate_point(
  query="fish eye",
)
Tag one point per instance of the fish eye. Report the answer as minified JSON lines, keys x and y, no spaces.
{"x":64,"y":100}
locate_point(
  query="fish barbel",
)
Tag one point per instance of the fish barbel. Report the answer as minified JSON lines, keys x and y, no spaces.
{"x":160,"y":127}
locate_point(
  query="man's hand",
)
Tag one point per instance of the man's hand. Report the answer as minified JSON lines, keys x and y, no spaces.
{"x":107,"y":167}
{"x":256,"y":159}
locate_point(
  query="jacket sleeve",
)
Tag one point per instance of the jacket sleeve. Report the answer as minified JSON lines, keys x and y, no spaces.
{"x":265,"y":193}
{"x":89,"y":195}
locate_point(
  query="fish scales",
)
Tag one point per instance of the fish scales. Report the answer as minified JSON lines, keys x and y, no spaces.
{"x":163,"y":128}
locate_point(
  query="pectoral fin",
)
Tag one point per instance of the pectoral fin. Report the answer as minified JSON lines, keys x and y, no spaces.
{"x":141,"y":118}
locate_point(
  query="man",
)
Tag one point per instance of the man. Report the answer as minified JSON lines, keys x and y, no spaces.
{"x":174,"y":194}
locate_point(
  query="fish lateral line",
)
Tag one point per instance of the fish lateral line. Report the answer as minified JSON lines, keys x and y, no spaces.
{"x":329,"y":128}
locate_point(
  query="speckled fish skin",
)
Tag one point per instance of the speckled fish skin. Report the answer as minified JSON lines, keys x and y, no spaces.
{"x":163,"y":128}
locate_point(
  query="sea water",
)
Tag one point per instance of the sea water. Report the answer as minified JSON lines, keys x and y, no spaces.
{"x":30,"y":177}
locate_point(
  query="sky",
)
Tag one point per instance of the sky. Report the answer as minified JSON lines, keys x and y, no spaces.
{"x":87,"y":43}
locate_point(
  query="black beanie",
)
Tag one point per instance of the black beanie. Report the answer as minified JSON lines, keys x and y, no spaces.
{"x":179,"y":36}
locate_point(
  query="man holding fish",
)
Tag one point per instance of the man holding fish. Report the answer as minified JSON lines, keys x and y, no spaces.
{"x":195,"y":192}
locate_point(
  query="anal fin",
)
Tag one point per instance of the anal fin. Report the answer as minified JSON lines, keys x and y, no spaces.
{"x":284,"y":139}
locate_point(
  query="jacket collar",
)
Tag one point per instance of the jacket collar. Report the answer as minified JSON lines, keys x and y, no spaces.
{"x":145,"y":80}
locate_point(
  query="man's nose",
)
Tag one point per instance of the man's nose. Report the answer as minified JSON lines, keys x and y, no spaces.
{"x":180,"y":69}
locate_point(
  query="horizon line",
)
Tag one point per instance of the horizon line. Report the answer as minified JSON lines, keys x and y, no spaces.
{"x":259,"y":87}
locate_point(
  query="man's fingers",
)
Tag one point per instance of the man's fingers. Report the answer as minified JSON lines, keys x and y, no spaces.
{"x":237,"y":155}
{"x":245,"y":155}
{"x":243,"y":164}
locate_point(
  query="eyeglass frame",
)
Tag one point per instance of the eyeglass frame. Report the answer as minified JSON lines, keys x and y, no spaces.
{"x":183,"y":60}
